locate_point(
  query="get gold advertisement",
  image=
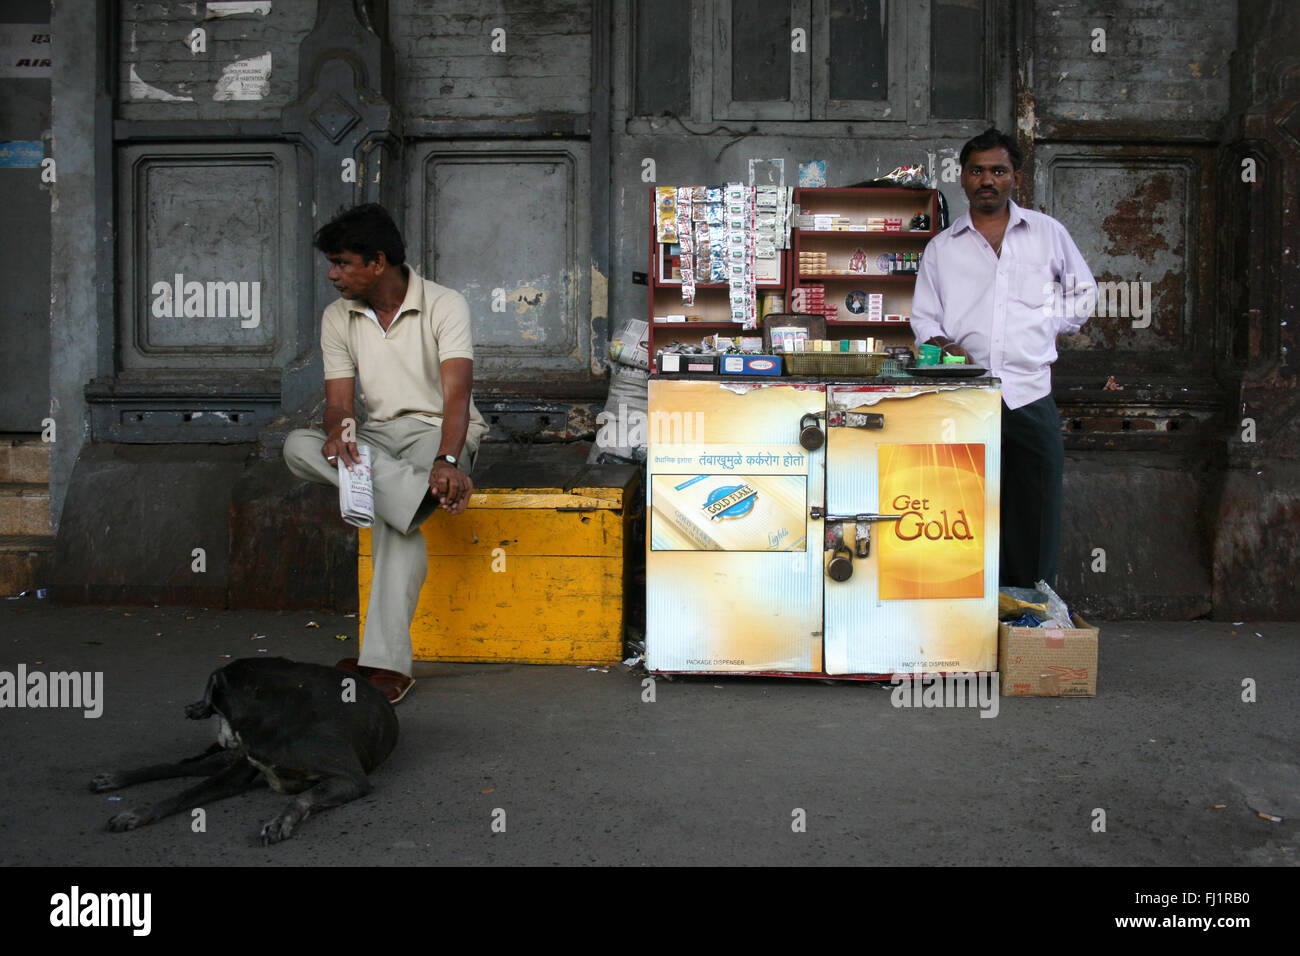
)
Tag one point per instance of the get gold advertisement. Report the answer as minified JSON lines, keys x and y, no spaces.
{"x":936,"y":548}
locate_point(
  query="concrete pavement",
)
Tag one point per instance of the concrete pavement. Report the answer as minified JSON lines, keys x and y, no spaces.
{"x":581,"y":771}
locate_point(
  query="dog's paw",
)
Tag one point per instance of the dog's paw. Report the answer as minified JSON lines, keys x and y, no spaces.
{"x":128,"y":820}
{"x":277,"y":830}
{"x":104,"y":781}
{"x":281,"y":828}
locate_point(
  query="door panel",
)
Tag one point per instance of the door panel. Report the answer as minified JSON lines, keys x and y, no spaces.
{"x":25,"y":220}
{"x":932,"y":604}
{"x":714,"y":610}
{"x":506,"y":224}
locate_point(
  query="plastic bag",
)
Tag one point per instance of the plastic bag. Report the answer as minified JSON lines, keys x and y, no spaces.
{"x":1013,"y":602}
{"x":911,"y":176}
{"x":1058,"y":613}
{"x":621,"y":427}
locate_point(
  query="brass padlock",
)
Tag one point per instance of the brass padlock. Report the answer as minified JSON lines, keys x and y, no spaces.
{"x":811,"y":436}
{"x":840,"y":565}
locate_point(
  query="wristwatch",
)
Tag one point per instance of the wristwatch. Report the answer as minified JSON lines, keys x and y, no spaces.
{"x":449,"y":459}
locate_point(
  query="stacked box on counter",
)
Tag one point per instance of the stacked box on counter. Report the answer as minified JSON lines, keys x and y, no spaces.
{"x":884,"y":223}
{"x":749,"y":364}
{"x":813,"y":262}
{"x":823,"y":221}
{"x":875,"y":307}
{"x":687,"y":363}
{"x":808,"y":299}
{"x":858,"y":346}
{"x":811,"y":300}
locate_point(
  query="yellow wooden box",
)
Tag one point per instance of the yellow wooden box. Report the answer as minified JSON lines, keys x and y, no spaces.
{"x":530,"y":575}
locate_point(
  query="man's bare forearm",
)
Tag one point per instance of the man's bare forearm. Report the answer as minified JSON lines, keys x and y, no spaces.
{"x":455,"y":426}
{"x":335,"y":415}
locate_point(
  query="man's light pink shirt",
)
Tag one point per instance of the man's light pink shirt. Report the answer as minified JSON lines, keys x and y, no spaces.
{"x":1005,"y":311}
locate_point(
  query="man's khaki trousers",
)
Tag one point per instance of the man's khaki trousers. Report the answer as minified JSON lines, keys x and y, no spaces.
{"x":401,"y":457}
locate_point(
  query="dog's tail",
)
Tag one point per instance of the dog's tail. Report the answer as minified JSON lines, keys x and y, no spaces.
{"x":202,"y":709}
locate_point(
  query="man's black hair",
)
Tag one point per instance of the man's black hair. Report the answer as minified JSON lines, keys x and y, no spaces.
{"x":992,"y":138}
{"x":366,"y":230}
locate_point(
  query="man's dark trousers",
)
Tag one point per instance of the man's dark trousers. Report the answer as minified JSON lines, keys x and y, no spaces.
{"x":1033,"y":462}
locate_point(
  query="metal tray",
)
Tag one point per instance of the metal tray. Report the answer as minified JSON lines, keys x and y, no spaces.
{"x":947,"y":371}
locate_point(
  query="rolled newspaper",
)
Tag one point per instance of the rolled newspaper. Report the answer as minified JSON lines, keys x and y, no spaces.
{"x":356,"y":490}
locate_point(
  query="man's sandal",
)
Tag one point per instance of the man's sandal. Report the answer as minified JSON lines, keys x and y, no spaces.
{"x":394,"y":684}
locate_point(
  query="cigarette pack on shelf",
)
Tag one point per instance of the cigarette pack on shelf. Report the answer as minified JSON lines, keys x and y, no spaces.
{"x":854,"y":364}
{"x":777,"y":327}
{"x":813,"y":262}
{"x":685,"y":363}
{"x":808,"y":298}
{"x":750,"y":365}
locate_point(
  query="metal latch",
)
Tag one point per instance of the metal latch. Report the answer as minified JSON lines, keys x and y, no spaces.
{"x":840,"y":565}
{"x":818,"y":513}
{"x":855,"y":420}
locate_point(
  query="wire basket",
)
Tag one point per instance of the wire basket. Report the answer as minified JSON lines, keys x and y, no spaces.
{"x":835,"y":363}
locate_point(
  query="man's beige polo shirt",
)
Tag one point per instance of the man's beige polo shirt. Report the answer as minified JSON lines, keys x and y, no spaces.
{"x":399,"y":373}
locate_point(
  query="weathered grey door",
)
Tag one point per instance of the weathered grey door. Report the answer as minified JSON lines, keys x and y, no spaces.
{"x":506,"y":223}
{"x":25,"y":215}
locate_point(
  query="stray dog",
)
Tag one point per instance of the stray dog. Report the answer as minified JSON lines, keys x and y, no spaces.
{"x":311,"y":730}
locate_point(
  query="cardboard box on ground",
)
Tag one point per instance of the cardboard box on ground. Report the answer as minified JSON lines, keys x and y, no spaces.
{"x":1048,"y":661}
{"x":1039,"y":653}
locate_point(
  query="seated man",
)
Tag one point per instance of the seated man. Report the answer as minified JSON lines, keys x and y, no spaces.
{"x":408,"y":340}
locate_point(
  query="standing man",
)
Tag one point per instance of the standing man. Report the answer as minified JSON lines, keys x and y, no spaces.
{"x":408,"y":342}
{"x":998,"y":287}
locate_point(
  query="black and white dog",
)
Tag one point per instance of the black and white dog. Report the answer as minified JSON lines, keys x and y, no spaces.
{"x":309,"y":730}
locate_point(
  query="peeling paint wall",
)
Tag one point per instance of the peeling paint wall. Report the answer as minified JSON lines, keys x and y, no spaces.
{"x":168,"y":71}
{"x":1157,"y":60}
{"x":452,"y":62}
{"x":1135,"y":223}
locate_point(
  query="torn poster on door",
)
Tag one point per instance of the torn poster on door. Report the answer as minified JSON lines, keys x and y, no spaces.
{"x":236,"y":8}
{"x":22,"y":154}
{"x":25,"y":50}
{"x":245,"y":79}
{"x":140,"y":90}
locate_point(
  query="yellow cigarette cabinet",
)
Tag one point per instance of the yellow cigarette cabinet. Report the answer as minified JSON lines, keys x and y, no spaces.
{"x":534,"y":571}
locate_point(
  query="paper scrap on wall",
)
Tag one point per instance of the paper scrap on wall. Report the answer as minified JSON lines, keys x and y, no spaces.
{"x":245,"y":79}
{"x":236,"y":8}
{"x":140,"y":90}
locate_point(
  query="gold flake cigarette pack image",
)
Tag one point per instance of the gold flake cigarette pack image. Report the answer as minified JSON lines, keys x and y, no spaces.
{"x":729,"y":512}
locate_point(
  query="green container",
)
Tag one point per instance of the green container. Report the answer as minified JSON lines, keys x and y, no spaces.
{"x":929,"y":355}
{"x":954,"y":360}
